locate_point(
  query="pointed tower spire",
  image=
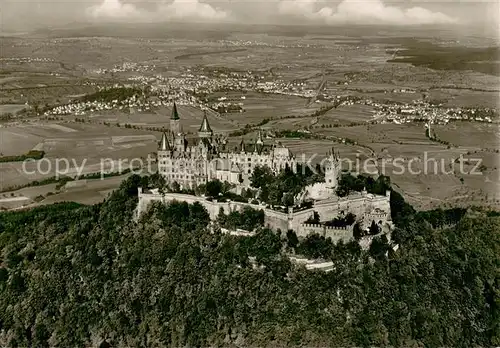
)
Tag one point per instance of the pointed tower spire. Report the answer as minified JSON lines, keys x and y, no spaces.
{"x":175,"y":113}
{"x":205,"y":131}
{"x":242,"y":145}
{"x":259,"y":138}
{"x":175,"y":122}
{"x":164,"y":145}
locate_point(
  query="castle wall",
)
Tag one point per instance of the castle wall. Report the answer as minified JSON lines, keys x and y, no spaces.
{"x":273,"y":219}
{"x":306,"y":229}
{"x":276,"y":220}
{"x":360,"y":205}
{"x":335,"y":233}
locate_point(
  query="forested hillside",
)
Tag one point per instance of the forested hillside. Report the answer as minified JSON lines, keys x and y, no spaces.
{"x":74,"y":275}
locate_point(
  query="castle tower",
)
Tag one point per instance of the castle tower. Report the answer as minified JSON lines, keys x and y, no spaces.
{"x":259,"y":139}
{"x":205,"y":131}
{"x":242,"y":146}
{"x":164,"y":153}
{"x":175,"y":122}
{"x":180,"y":142}
{"x":332,"y":169}
{"x":259,"y":145}
{"x":256,"y":148}
{"x":164,"y":144}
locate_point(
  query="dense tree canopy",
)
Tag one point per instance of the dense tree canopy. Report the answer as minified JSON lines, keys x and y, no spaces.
{"x":74,"y":275}
{"x":249,"y":219}
{"x":281,"y":189}
{"x":349,"y":183}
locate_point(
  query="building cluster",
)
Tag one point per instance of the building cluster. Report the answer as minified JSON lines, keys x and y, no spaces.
{"x":126,"y":67}
{"x":81,"y":108}
{"x":24,"y":60}
{"x":421,"y":110}
{"x":195,"y":85}
{"x":198,"y":81}
{"x":193,"y":162}
{"x":191,"y":88}
{"x":276,"y":43}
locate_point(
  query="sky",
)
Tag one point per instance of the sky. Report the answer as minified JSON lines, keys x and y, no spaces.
{"x":26,"y":14}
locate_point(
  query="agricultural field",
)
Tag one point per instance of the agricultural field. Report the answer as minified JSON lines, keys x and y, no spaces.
{"x":430,"y":177}
{"x":11,"y":108}
{"x":470,"y":135}
{"x":191,"y":118}
{"x":466,"y":98}
{"x":85,"y":146}
{"x":380,"y":136}
{"x":82,"y":191}
{"x":41,"y":95}
{"x":56,"y":70}
{"x":260,"y":106}
{"x":292,"y":123}
{"x":346,"y":114}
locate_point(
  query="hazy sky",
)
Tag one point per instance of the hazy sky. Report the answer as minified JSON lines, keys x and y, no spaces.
{"x":21,"y":14}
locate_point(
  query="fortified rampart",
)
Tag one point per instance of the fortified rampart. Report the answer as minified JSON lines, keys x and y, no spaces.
{"x":361,"y":205}
{"x":274,"y":219}
{"x":335,"y":233}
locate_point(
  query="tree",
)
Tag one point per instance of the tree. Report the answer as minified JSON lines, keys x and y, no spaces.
{"x":226,"y":187}
{"x":80,"y":275}
{"x":175,"y":187}
{"x":288,"y":200}
{"x":261,"y":177}
{"x":401,"y":212}
{"x":265,"y":245}
{"x":264,"y":194}
{"x":357,"y":232}
{"x":379,"y":247}
{"x":214,"y":188}
{"x":374,"y":229}
{"x":314,"y":219}
{"x":292,"y":240}
{"x":316,"y":246}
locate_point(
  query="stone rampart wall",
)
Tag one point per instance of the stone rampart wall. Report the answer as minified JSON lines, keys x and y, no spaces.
{"x":335,"y":233}
{"x":359,"y":205}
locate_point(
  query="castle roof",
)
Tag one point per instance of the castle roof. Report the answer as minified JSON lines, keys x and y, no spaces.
{"x":205,"y":127}
{"x":175,"y":113}
{"x":164,"y":145}
{"x":235,"y":168}
{"x":259,"y":139}
{"x":206,"y":142}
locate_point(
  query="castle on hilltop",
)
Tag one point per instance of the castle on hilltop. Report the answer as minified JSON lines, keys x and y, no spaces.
{"x":192,"y":162}
{"x":196,"y":161}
